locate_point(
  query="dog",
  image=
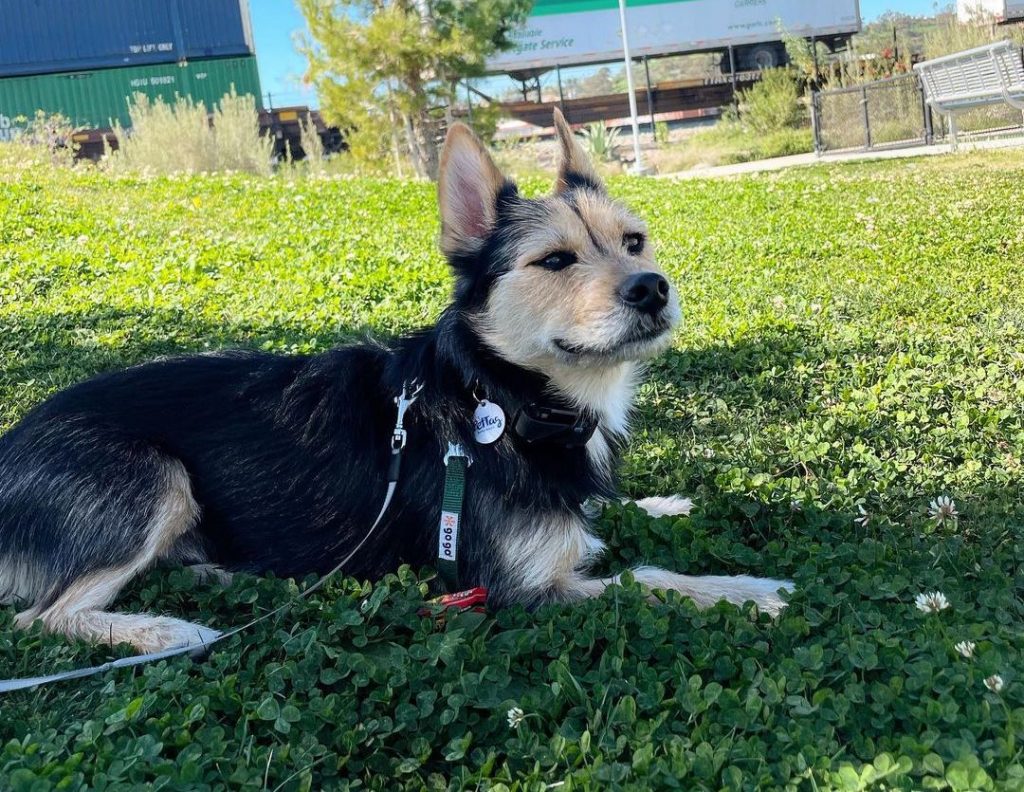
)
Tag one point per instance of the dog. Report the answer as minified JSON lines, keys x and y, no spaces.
{"x":244,"y":461}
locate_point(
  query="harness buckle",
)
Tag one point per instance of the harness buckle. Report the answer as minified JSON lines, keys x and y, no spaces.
{"x":455,"y":450}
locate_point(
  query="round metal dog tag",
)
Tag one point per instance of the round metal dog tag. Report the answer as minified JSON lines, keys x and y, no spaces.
{"x":488,"y":422}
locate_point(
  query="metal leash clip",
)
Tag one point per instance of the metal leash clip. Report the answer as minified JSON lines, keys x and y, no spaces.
{"x":404,"y":401}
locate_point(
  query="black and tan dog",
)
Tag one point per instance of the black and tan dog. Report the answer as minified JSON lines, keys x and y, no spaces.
{"x":247,"y":461}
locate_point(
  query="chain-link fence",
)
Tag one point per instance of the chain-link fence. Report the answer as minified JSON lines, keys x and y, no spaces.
{"x":879,"y":114}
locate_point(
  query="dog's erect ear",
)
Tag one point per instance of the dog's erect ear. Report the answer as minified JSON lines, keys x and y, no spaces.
{"x":574,"y":166}
{"x":467,"y":190}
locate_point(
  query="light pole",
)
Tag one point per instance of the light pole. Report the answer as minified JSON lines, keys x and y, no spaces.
{"x":638,"y":165}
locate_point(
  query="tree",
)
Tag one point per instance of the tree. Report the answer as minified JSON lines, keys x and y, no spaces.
{"x":381,"y":66}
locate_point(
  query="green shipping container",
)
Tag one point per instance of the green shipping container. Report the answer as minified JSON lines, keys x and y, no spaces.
{"x":95,"y":99}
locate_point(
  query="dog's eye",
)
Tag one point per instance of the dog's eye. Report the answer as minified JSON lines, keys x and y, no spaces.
{"x":634,"y":243}
{"x":557,"y":261}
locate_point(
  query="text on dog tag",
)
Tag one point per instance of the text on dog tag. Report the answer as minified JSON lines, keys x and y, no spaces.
{"x":488,"y":422}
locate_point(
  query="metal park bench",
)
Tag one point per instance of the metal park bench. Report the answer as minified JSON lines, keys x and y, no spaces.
{"x":977,"y":77}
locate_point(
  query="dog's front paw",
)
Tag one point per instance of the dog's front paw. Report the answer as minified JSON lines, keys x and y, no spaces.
{"x":666,"y":506}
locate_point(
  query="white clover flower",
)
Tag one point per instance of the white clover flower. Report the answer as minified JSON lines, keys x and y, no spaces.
{"x":965,"y":648}
{"x":942,"y":509}
{"x":864,"y":517}
{"x":931,"y":602}
{"x":994,"y":683}
{"x":515,"y":717}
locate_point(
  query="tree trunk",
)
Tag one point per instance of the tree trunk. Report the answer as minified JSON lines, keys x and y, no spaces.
{"x":412,"y":141}
{"x":429,"y":130}
{"x":420,"y":132}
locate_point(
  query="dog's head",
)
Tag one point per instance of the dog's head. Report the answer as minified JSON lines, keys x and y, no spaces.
{"x":564,"y":280}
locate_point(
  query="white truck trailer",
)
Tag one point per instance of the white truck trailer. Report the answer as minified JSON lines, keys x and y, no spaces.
{"x":576,"y":32}
{"x":985,"y":11}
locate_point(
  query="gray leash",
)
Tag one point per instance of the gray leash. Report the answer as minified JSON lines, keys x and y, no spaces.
{"x":404,"y":401}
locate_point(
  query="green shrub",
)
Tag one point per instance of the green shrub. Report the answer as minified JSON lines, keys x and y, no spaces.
{"x":184,"y":137}
{"x":44,"y":138}
{"x":661,"y":133}
{"x":772,"y":103}
{"x":805,"y":56}
{"x":237,"y":142}
{"x":312,"y":144}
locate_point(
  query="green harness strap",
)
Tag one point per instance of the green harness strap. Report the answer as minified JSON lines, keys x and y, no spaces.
{"x":456,"y":462}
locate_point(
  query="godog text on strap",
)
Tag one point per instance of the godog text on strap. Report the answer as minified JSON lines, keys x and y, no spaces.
{"x":403,"y":402}
{"x":456,"y":461}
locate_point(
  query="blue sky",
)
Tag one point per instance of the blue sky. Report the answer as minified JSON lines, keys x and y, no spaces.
{"x":275,"y":23}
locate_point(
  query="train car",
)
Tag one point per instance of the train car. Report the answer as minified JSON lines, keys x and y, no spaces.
{"x":100,"y":98}
{"x":576,"y":32}
{"x":57,"y":36}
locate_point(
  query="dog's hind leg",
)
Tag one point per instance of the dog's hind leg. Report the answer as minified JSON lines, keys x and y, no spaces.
{"x":76,"y":607}
{"x":189,"y":552}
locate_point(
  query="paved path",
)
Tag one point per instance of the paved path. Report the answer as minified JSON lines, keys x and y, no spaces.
{"x":803,"y":160}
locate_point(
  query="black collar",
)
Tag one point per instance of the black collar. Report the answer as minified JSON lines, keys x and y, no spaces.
{"x":542,"y":422}
{"x":548,"y":420}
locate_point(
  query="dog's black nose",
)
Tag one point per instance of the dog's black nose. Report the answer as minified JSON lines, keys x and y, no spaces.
{"x":645,"y":291}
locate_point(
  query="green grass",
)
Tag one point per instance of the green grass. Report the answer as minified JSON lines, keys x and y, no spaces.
{"x":854,"y":337}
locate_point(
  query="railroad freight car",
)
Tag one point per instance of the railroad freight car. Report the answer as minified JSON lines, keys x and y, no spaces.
{"x":280,"y":124}
{"x":99,"y":98}
{"x":53,"y":36}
